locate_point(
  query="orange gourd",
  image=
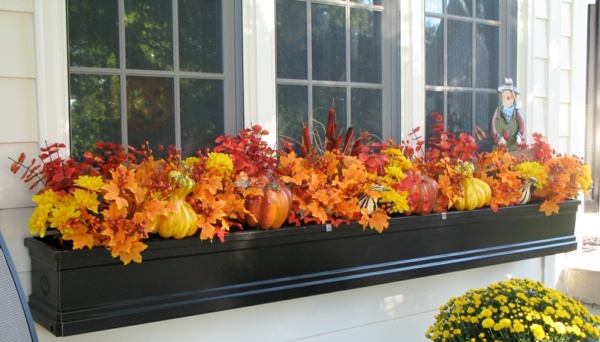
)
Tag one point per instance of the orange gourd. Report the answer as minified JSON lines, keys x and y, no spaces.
{"x":426,"y":190}
{"x":271,"y":210}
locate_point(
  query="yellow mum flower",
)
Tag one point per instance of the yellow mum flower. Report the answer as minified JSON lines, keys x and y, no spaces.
{"x":87,"y":199}
{"x":46,"y":197}
{"x":62,"y":214}
{"x":538,"y":331}
{"x":39,"y":219}
{"x":219,"y":162}
{"x":92,"y":183}
{"x":488,"y":323}
{"x":533,"y":169}
{"x":518,"y":327}
{"x":190,"y":161}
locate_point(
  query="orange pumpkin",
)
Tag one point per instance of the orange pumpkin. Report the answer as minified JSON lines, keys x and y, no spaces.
{"x":271,"y":210}
{"x":425,"y":191}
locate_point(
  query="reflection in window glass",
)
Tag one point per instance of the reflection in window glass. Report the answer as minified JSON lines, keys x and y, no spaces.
{"x":93,"y":34}
{"x":460,"y":53}
{"x":367,"y":111}
{"x":200,"y":128}
{"x":292,"y":109}
{"x":487,"y":55}
{"x":200,"y":43}
{"x":328,"y":42}
{"x":460,"y":112}
{"x":367,"y":2}
{"x":365,"y":45}
{"x":291,"y":39}
{"x":328,"y":97}
{"x":434,"y":6}
{"x":434,"y":51}
{"x":150,"y":111}
{"x":487,"y":9}
{"x":462,"y":8}
{"x":94,"y":111}
{"x":485,"y":106}
{"x":149,"y":34}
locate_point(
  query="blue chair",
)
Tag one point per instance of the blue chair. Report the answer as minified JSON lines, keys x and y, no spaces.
{"x":15,"y":318}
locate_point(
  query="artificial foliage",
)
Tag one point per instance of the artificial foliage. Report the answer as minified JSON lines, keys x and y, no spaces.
{"x":117,"y":196}
{"x":516,"y":310}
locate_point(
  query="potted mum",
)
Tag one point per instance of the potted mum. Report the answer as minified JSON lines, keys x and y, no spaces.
{"x":516,"y":310}
{"x":322,"y":202}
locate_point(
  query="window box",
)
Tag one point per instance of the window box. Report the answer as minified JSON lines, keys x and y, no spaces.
{"x":82,"y":291}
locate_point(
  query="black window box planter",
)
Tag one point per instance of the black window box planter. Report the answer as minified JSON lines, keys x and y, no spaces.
{"x":81,"y":291}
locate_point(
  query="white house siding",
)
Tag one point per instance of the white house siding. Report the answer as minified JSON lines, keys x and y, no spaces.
{"x":33,"y":108}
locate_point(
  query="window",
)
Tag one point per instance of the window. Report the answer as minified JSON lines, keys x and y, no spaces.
{"x":153,"y":70}
{"x":470,"y":48}
{"x":340,"y":53}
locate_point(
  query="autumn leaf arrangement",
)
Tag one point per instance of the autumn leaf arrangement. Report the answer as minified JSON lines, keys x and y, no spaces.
{"x":117,"y":197}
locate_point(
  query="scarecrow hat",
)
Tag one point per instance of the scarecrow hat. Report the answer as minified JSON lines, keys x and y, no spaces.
{"x":508,"y":85}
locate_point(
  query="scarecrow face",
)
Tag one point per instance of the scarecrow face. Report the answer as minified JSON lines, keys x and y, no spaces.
{"x":508,"y":98}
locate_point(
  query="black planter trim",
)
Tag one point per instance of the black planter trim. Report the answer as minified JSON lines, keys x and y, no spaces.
{"x":81,"y":291}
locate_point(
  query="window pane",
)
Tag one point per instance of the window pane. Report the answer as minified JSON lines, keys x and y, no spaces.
{"x":329,"y":42}
{"x":434,"y":103}
{"x":365,"y":46}
{"x":291,"y":40}
{"x":200,"y":45}
{"x":485,"y":105}
{"x":150,"y":111}
{"x":434,"y":35}
{"x":201,"y":114}
{"x":367,"y":111}
{"x":93,"y":34}
{"x":460,"y":53}
{"x":324,"y":98}
{"x":95,"y":111}
{"x":460,"y":7}
{"x":487,"y":56}
{"x":292,"y":111}
{"x":460,"y":113}
{"x":488,"y":9}
{"x":434,"y":6}
{"x":367,"y":2}
{"x":149,"y":34}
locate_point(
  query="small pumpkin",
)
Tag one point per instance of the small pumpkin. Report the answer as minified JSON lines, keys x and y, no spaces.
{"x":184,"y":220}
{"x":271,"y":210}
{"x":476,"y":193}
{"x":424,"y":193}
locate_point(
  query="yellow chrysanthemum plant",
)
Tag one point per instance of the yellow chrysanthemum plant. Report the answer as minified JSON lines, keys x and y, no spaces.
{"x":516,"y":310}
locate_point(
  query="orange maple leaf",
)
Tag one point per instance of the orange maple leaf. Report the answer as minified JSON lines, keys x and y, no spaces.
{"x":379,"y":220}
{"x":549,"y":207}
{"x":80,"y":235}
{"x":155,"y":208}
{"x":134,"y":253}
{"x":113,"y":193}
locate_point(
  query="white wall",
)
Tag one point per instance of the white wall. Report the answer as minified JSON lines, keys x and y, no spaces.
{"x":33,"y":108}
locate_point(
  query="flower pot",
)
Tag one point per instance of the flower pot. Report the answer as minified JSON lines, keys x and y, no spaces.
{"x":79,"y":291}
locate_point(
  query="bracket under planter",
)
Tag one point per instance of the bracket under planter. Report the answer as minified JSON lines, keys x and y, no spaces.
{"x":80,"y":291}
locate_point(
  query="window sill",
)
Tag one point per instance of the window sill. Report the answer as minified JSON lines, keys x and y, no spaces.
{"x":81,"y":291}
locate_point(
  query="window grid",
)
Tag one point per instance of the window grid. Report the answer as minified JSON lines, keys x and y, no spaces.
{"x":386,"y":85}
{"x":473,"y":89}
{"x":230,"y":74}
